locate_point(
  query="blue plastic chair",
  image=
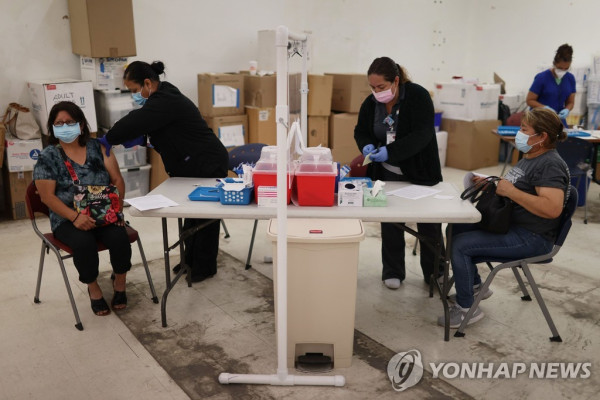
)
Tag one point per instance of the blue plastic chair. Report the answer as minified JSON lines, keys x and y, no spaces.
{"x":565,"y":226}
{"x":248,"y":153}
{"x":577,"y":153}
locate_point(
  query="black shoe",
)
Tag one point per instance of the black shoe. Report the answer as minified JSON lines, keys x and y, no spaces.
{"x":177,"y":268}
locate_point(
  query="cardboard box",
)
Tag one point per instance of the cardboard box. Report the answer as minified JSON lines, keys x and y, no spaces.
{"x":260,"y":91}
{"x":341,"y":130}
{"x":232,"y":130}
{"x":220,"y":94}
{"x":318,"y":131}
{"x":102,"y":28}
{"x":2,"y":144}
{"x":467,"y":101}
{"x":471,"y":144}
{"x":157,"y":173}
{"x":21,"y":155}
{"x":345,"y":154}
{"x":15,"y":188}
{"x":349,"y":92}
{"x":320,"y":90}
{"x":45,"y":93}
{"x":261,"y":125}
{"x":106,"y":73}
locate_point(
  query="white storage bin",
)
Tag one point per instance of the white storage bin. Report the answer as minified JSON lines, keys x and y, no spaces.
{"x":132,"y":157}
{"x":137,"y":181}
{"x":112,"y":105}
{"x":442,"y":142}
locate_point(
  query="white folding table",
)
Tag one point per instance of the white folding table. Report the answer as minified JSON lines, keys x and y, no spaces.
{"x":445,"y":207}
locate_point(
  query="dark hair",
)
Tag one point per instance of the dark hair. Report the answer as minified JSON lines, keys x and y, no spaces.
{"x":564,"y":53}
{"x":74,"y":112}
{"x":388,"y":68}
{"x":137,"y":71}
{"x":545,"y":120}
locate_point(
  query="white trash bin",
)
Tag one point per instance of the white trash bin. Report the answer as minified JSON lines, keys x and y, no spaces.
{"x":322,"y":270}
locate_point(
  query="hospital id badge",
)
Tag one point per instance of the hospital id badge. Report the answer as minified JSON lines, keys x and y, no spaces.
{"x":390,"y":137}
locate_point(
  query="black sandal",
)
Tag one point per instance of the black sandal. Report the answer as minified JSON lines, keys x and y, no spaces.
{"x":119,"y":300}
{"x":99,"y":306}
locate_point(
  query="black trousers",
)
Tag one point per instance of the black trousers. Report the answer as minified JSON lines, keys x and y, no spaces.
{"x":85,"y":248}
{"x":393,"y":243}
{"x":202,"y":248}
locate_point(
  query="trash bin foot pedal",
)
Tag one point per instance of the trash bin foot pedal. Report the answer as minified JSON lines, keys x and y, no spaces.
{"x":314,"y":362}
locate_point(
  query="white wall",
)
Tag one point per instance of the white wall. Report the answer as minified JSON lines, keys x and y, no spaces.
{"x":433,"y":39}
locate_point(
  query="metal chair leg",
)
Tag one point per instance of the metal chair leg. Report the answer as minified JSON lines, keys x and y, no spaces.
{"x":248,"y":265}
{"x":538,"y":296}
{"x":36,"y":298}
{"x":225,"y":229}
{"x":526,"y":296}
{"x":78,"y":325}
{"x":145,"y":263}
{"x":415,"y":247}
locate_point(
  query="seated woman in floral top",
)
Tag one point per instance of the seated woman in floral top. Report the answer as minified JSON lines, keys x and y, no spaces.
{"x":69,"y":132}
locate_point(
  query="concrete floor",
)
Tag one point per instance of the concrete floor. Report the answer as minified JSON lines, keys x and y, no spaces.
{"x":44,"y":356}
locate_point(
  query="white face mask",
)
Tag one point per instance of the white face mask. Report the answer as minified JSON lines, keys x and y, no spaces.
{"x":560,"y":72}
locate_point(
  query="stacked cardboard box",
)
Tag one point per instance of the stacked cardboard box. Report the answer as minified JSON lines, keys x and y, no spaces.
{"x":232,"y":130}
{"x":471,"y":144}
{"x":341,"y":137}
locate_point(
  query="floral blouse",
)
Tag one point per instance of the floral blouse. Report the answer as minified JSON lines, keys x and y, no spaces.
{"x":50,"y":166}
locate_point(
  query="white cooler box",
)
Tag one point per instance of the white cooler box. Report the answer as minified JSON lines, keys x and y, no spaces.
{"x":132,"y":157}
{"x":112,"y":105}
{"x":137,"y":181}
{"x":467,"y":101}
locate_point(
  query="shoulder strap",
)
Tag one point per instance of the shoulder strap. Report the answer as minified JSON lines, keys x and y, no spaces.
{"x":68,"y":164}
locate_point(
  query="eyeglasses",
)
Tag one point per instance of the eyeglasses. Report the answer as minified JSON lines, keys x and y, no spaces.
{"x":58,"y":124}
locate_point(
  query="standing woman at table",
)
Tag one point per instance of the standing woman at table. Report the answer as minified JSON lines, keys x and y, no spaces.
{"x":396,"y":129}
{"x":188,"y":148}
{"x":554,"y":88}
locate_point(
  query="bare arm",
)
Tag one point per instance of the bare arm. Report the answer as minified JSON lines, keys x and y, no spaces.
{"x":46,"y":189}
{"x":532,"y":100}
{"x":548,"y":203}
{"x":570,"y":102}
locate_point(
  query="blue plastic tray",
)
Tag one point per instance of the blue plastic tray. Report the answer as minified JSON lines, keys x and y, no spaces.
{"x":205,"y":193}
{"x":577,"y":134}
{"x":507,"y":130}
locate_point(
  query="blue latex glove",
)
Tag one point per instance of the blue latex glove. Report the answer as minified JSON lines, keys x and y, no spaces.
{"x":381,"y":155}
{"x":563,"y":113}
{"x":549,"y":108}
{"x":139,"y":141}
{"x":368,"y":149}
{"x":106,"y":145}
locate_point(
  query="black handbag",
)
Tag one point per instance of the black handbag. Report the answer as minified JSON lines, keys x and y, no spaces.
{"x":495,"y":210}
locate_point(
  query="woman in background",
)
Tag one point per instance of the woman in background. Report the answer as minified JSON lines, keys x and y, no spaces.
{"x":188,"y":148}
{"x":396,"y":130}
{"x":554,"y":88}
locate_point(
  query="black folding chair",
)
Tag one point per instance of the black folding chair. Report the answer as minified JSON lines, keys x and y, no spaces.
{"x":565,"y":226}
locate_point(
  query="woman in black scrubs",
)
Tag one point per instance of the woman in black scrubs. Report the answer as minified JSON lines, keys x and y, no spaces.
{"x":188,"y":148}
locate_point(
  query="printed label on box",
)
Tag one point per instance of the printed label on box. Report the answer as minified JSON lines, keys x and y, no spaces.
{"x":267,"y":196}
{"x":225,"y":96}
{"x":263,"y":115}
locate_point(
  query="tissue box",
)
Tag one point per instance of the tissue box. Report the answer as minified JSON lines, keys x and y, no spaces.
{"x":378,"y":201}
{"x":350,"y":194}
{"x":266,"y":196}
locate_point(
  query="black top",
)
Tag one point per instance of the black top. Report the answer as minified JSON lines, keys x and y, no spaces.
{"x":188,"y":147}
{"x":415,"y":149}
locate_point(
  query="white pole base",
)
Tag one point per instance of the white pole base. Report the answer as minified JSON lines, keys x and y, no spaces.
{"x":289,"y":380}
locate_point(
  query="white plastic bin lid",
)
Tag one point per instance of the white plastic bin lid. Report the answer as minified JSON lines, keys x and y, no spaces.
{"x":312,"y":230}
{"x":316,"y":154}
{"x":268,"y":153}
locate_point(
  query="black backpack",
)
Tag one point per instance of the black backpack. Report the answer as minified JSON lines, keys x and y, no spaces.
{"x":503,"y":112}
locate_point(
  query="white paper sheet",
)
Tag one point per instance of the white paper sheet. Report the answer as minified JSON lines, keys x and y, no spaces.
{"x":151,"y":202}
{"x":414,"y":192}
{"x":225,"y":96}
{"x":468,"y":178}
{"x":232,"y":135}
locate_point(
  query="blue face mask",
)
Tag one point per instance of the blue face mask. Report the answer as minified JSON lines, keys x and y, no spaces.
{"x":67,"y":133}
{"x":521,"y":142}
{"x":138,"y":98}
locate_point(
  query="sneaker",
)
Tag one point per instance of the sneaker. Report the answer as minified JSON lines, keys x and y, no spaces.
{"x":392,"y":283}
{"x":457,"y":315}
{"x":488,"y":293}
